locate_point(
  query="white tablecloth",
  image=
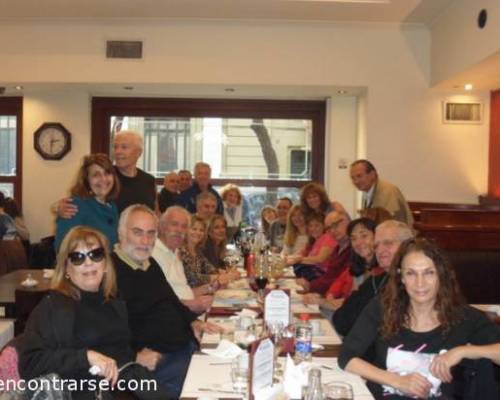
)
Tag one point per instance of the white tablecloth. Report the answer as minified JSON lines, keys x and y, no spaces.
{"x":213,"y":373}
{"x":6,"y":331}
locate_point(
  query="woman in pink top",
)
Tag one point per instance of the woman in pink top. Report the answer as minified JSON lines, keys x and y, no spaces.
{"x":315,"y":259}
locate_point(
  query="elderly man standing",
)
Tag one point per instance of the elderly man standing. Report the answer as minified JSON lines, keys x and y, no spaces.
{"x":202,"y":179}
{"x":388,"y":237}
{"x":174,"y":224}
{"x":169,"y":194}
{"x":378,"y":193}
{"x":136,"y":186}
{"x":164,"y":331}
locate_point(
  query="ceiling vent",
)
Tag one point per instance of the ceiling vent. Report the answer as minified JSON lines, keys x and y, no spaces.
{"x":123,"y":49}
{"x":462,"y":113}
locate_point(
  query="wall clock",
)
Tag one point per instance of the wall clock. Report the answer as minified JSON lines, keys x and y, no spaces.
{"x":52,"y":141}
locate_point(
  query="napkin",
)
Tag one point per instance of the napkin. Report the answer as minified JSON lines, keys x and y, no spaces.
{"x":225,"y":349}
{"x":295,"y":377}
{"x":246,"y":312}
{"x":274,"y":392}
{"x":29,"y":282}
{"x":47,"y":273}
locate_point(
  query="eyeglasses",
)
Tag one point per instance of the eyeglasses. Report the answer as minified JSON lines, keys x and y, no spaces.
{"x":78,"y":258}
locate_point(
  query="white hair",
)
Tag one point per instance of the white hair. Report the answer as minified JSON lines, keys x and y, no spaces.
{"x":136,"y":138}
{"x":404,"y":231}
{"x":125,"y":215}
{"x":168,"y":212}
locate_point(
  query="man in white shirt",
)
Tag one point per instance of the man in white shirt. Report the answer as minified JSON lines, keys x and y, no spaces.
{"x":174,"y":224}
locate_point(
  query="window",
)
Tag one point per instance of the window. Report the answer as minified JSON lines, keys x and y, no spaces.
{"x":11,"y":147}
{"x":269,"y":148}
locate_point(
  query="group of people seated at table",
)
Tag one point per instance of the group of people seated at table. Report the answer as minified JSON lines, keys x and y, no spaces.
{"x":130,"y":282}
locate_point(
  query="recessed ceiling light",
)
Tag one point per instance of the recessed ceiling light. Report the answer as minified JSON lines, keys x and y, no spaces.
{"x":128,"y":87}
{"x":342,"y":91}
{"x":468,"y":86}
{"x":229,"y":90}
{"x":19,"y":87}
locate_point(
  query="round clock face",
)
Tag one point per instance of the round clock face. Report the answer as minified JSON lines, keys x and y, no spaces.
{"x":52,"y":141}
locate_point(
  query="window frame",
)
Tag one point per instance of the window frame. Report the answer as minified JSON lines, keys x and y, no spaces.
{"x":14,"y":106}
{"x":103,"y":108}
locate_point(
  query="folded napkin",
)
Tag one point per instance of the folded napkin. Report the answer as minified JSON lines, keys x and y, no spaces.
{"x":226,"y":350}
{"x":295,"y":377}
{"x":274,"y":392}
{"x":246,"y":312}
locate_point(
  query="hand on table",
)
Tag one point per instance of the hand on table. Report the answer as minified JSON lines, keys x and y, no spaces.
{"x":311,"y":298}
{"x":304,"y":283}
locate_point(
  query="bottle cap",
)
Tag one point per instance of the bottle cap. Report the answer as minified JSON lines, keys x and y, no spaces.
{"x":304,"y":317}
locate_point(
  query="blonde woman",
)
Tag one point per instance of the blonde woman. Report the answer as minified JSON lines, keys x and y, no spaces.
{"x":199,"y":271}
{"x":81,"y":323}
{"x":234,"y":209}
{"x":296,"y":238}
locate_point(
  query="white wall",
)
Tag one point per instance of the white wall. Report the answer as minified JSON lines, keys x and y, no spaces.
{"x":46,"y":181}
{"x":404,"y":135}
{"x":457,"y":41}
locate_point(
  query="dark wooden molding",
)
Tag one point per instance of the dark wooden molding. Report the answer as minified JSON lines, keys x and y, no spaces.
{"x":105,"y":107}
{"x":14,"y":106}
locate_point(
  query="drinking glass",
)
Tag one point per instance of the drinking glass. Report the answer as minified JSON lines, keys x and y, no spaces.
{"x":338,"y":391}
{"x":239,"y":373}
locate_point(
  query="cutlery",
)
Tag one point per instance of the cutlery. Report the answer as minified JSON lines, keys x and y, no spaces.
{"x":218,"y":391}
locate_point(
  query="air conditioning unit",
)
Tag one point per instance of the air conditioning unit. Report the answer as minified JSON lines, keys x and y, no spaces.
{"x":462,"y":113}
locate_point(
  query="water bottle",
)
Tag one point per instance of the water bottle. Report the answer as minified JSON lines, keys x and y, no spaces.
{"x":314,"y":390}
{"x":303,"y":339}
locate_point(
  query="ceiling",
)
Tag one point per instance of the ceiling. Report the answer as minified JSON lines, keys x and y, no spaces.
{"x":387,"y":11}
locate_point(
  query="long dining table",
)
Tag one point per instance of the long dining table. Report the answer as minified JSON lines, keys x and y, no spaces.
{"x":210,"y":377}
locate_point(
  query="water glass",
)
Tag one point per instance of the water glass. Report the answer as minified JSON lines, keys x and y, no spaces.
{"x":239,"y":373}
{"x":338,"y":391}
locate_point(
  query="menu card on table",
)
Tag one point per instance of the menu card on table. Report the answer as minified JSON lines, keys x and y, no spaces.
{"x":261,"y":366}
{"x":277,"y":306}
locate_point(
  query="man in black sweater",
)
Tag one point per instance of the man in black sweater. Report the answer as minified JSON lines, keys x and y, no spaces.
{"x":388,"y":237}
{"x":164,"y":331}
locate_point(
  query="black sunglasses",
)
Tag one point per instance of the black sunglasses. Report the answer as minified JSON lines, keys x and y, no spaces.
{"x":78,"y":258}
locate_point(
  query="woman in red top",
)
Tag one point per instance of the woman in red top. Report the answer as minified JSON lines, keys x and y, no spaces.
{"x":315,"y":258}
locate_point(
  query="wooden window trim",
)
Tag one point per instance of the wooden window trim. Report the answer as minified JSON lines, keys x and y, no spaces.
{"x":103,"y":108}
{"x":14,"y":106}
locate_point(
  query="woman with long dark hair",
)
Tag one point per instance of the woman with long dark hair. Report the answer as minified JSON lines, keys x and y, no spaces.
{"x":420,"y":318}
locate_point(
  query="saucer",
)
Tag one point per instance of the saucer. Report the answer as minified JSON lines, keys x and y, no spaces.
{"x":29,"y":283}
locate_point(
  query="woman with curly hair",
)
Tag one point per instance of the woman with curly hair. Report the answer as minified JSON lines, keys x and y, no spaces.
{"x":422,"y":316}
{"x":314,"y":199}
{"x":235,"y":210}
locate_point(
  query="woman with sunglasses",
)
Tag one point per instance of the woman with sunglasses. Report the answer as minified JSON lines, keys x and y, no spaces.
{"x":81,"y":323}
{"x":94,"y":192}
{"x":420,"y":318}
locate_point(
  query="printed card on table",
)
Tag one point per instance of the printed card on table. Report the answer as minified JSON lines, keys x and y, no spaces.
{"x":277,"y":306}
{"x":261,"y":366}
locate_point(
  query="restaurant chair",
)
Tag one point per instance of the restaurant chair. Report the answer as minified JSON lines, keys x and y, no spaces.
{"x":12,"y":256}
{"x":26,"y":301}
